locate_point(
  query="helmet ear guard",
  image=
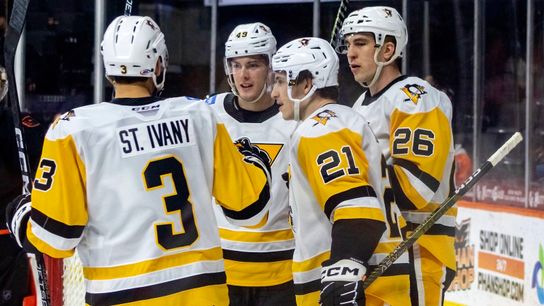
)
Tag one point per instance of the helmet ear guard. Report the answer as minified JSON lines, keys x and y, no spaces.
{"x":132,"y":47}
{"x":312,"y":54}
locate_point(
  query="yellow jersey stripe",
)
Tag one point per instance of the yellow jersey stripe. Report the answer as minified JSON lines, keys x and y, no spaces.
{"x":241,"y":236}
{"x":359,"y":213}
{"x":151,"y":265}
{"x":310,"y":264}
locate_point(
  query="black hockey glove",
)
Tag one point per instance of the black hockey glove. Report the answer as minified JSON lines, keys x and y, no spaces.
{"x":17,"y":215}
{"x":254,"y":155}
{"x":342,"y":283}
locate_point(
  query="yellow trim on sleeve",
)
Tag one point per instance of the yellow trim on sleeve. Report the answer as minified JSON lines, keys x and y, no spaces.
{"x":310,"y":264}
{"x":358,"y":213}
{"x":246,"y":236}
{"x":45,"y":248}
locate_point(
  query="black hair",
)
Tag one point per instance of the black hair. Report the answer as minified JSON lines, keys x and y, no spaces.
{"x":330,"y":92}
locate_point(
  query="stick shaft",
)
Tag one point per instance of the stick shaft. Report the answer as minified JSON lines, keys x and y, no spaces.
{"x":340,"y":16}
{"x":444,"y":207}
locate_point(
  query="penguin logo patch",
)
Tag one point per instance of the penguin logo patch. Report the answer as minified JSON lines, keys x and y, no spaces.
{"x":414,"y":92}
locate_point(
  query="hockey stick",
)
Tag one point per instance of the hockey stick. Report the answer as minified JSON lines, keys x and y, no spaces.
{"x":439,"y":212}
{"x":13,"y":35}
{"x":340,"y":16}
{"x":128,"y":7}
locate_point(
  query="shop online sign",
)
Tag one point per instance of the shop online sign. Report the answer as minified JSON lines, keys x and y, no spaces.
{"x":500,"y":259}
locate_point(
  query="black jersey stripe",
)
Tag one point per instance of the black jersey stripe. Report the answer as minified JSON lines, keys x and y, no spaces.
{"x":357,"y":192}
{"x":426,"y":178}
{"x":251,"y":210}
{"x":401,"y":199}
{"x":56,"y":227}
{"x":156,"y":290}
{"x":309,"y":287}
{"x":258,"y":256}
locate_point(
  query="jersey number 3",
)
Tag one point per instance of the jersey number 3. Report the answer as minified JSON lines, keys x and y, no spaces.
{"x":178,"y":202}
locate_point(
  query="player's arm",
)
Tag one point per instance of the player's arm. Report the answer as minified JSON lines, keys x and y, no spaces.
{"x":241,"y":180}
{"x":336,"y":167}
{"x":337,"y":170}
{"x":58,"y":212}
{"x":420,"y":146}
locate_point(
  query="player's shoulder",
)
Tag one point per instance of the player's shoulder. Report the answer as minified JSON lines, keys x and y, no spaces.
{"x":187,"y":104}
{"x":218,"y":99}
{"x":329,"y":119}
{"x":78,"y":119}
{"x":415,"y":93}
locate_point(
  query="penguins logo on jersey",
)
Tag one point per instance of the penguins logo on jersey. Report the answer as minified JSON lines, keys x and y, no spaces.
{"x":248,"y":149}
{"x":68,"y":115}
{"x":323,"y":117}
{"x":414,"y":92}
{"x":271,"y":150}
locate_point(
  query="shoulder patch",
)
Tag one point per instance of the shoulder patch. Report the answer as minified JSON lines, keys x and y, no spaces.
{"x":323,"y":117}
{"x":414,"y":92}
{"x":210,"y":99}
{"x":68,"y":115}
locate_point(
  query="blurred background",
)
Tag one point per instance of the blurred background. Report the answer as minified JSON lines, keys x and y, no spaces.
{"x":486,"y":55}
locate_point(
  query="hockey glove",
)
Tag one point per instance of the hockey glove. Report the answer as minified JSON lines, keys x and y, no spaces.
{"x":254,"y":155}
{"x":342,"y":283}
{"x":17,"y":215}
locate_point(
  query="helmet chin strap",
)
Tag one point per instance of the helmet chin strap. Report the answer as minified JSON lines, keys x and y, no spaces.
{"x":296,"y":102}
{"x":379,"y":67}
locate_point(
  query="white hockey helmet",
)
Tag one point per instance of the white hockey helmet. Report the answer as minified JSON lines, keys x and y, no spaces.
{"x":246,"y":40}
{"x":308,"y":53}
{"x":250,"y":39}
{"x":131,"y":47}
{"x":382,"y":21}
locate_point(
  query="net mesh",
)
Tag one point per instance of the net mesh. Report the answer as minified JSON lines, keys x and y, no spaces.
{"x":66,"y":283}
{"x":73,"y":291}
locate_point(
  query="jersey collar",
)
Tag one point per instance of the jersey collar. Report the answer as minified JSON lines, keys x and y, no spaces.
{"x":135,"y":101}
{"x":235,"y":111}
{"x":369,"y":99}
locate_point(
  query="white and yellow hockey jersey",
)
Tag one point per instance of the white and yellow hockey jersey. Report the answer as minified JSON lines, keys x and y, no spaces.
{"x":130,"y":185}
{"x":412,"y":121}
{"x":337,"y":174}
{"x":260,"y":255}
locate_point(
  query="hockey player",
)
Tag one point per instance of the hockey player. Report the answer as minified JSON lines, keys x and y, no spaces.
{"x":129,"y":183}
{"x":258,"y":259}
{"x":412,"y":121}
{"x":342,"y":214}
